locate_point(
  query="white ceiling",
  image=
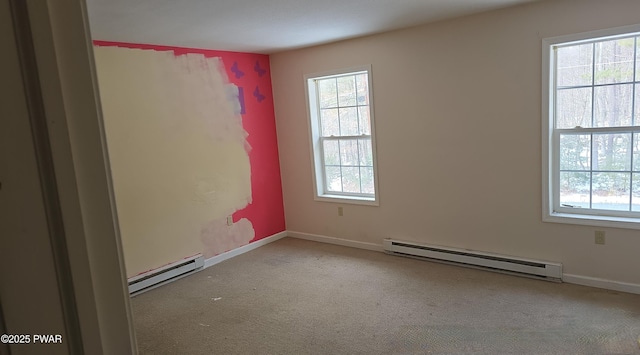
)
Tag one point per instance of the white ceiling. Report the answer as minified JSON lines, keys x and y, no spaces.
{"x":265,"y":26}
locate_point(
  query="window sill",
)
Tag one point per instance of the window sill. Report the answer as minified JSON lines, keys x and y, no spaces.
{"x":354,"y":200}
{"x":593,"y":220}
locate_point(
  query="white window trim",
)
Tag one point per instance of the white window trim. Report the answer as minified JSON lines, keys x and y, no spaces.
{"x":559,"y":215}
{"x":314,"y":129}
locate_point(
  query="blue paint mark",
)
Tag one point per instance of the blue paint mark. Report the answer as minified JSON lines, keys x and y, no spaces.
{"x":241,"y":99}
{"x":236,"y":71}
{"x":258,"y":95}
{"x":259,"y":70}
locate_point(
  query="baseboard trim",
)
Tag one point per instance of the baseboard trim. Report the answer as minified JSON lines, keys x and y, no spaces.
{"x":243,"y":249}
{"x":601,"y":283}
{"x":568,"y":278}
{"x":337,"y":241}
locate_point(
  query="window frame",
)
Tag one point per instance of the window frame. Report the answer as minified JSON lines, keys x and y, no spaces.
{"x":320,"y":189}
{"x":551,"y":209}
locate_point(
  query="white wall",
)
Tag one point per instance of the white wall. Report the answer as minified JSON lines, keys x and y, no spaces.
{"x":458,"y":118}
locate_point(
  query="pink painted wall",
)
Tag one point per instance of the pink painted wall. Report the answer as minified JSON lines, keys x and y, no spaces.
{"x":252,"y":75}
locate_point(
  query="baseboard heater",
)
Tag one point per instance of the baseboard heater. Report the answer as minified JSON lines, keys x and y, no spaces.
{"x":172,"y":271}
{"x":478,"y":260}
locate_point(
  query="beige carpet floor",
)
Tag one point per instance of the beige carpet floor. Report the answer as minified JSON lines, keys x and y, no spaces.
{"x":300,"y":297}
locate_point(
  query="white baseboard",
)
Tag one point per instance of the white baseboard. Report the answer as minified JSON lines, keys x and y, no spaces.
{"x":337,"y":241}
{"x":601,"y":283}
{"x":243,"y":249}
{"x":568,"y":278}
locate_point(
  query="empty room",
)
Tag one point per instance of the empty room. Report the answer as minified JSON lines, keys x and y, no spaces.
{"x":323,"y":177}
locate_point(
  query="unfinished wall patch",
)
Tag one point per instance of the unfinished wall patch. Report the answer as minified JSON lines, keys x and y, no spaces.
{"x":218,"y":237}
{"x":179,"y":153}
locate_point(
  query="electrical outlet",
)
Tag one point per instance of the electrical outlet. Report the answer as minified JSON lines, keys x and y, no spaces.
{"x":599,"y":237}
{"x":229,"y":220}
{"x":340,"y":212}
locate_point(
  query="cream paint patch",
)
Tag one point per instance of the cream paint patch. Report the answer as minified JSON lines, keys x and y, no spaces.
{"x":178,"y":153}
{"x":218,"y":237}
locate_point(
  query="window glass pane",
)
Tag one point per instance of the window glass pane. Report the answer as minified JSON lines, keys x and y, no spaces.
{"x":613,"y":105}
{"x":330,"y":122}
{"x":331,"y":152}
{"x":611,"y":191}
{"x":349,"y":152}
{"x":637,"y":58}
{"x":343,"y":135}
{"x":351,"y":179}
{"x":575,"y":152}
{"x":575,"y":65}
{"x":636,"y":151}
{"x":574,"y":189}
{"x":636,"y":121}
{"x":346,"y":91}
{"x":614,"y":61}
{"x":362,"y":84}
{"x":333,"y":178}
{"x":595,"y":89}
{"x":349,"y":121}
{"x":366,"y":155}
{"x":328,"y":93}
{"x":635,"y":198}
{"x":573,"y":108}
{"x":366,"y":179}
{"x":612,"y":151}
{"x":364,"y":121}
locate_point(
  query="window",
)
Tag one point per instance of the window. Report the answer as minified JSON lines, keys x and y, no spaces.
{"x":342,"y":136}
{"x":592,"y":128}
